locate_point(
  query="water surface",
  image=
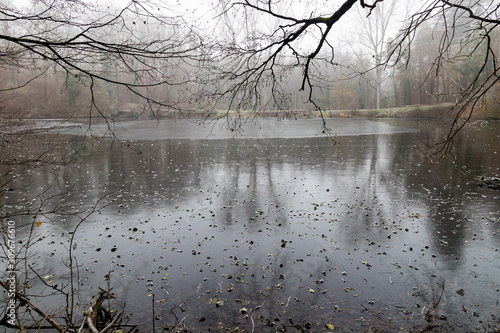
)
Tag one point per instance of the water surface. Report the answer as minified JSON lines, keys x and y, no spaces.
{"x":280,"y":226}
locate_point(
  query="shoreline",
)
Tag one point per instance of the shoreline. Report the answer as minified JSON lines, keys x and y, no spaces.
{"x":442,"y":111}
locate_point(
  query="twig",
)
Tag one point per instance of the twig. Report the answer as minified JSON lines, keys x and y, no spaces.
{"x":23,"y":298}
{"x":172,"y":310}
{"x":154,"y":328}
{"x":427,"y":314}
{"x":463,"y":173}
{"x":45,"y":282}
{"x":113,"y":322}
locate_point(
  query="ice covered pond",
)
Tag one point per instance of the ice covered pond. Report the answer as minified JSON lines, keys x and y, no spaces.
{"x":277,"y":225}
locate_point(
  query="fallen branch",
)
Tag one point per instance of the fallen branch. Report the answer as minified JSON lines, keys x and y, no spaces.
{"x":112,"y":324}
{"x":91,"y":315}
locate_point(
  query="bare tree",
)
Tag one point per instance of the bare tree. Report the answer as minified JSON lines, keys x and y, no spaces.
{"x":98,"y":46}
{"x":469,"y":32}
{"x":148,"y":48}
{"x":93,"y":46}
{"x":23,"y":284}
{"x":373,"y":33}
{"x":303,"y":41}
{"x":264,"y":60}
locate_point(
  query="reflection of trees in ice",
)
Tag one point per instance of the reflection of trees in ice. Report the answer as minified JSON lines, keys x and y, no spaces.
{"x":292,"y":215}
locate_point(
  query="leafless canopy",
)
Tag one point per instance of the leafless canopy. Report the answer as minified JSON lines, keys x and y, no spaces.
{"x":262,"y":42}
{"x":273,"y":43}
{"x":132,"y":46}
{"x":470,"y":31}
{"x":244,"y":55}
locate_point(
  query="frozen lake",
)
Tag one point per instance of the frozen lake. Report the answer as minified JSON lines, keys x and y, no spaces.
{"x":277,"y":225}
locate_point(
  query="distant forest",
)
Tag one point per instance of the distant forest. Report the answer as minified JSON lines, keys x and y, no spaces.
{"x":357,"y":77}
